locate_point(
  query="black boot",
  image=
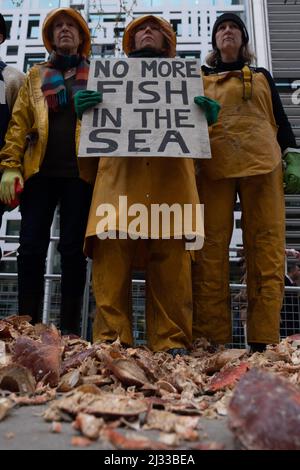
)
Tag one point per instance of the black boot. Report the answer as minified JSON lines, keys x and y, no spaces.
{"x":178,"y":352}
{"x":31,"y":286}
{"x":31,"y":305}
{"x":257,"y":347}
{"x":70,"y":315}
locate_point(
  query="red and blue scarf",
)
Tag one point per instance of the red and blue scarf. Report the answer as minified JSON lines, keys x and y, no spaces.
{"x":53,"y":84}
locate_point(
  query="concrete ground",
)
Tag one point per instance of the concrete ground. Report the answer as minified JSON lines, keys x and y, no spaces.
{"x":25,"y":429}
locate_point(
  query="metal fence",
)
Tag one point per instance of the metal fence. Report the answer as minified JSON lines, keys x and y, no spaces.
{"x":238,"y":315}
{"x":290,"y":322}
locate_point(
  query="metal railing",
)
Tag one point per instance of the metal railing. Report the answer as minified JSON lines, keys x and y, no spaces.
{"x":290,"y":316}
{"x":290,"y":323}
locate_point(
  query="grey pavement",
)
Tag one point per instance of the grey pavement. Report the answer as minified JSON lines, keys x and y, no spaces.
{"x":25,"y":429}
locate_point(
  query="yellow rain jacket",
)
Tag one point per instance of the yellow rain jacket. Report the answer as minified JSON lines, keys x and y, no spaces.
{"x":243,"y":140}
{"x":27,"y":135}
{"x":246,"y":160}
{"x":144,"y":181}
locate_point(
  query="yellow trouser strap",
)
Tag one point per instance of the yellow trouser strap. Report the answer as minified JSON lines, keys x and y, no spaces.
{"x":247,"y":83}
{"x":245,"y":75}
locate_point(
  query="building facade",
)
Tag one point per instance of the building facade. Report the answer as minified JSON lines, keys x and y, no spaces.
{"x":284,"y":34}
{"x":191,"y":19}
{"x":274,"y":27}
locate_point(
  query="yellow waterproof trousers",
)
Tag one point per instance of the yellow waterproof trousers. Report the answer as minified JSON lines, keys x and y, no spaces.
{"x":263,"y":225}
{"x":168,"y":292}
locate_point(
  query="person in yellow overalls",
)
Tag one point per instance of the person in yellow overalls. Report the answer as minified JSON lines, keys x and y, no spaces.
{"x":40,"y":152}
{"x":247,"y":142}
{"x":145,"y":181}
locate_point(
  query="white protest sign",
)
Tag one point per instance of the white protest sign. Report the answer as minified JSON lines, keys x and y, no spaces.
{"x":148,"y":109}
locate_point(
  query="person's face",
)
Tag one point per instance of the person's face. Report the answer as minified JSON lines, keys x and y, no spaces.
{"x":66,"y":34}
{"x":148,"y":34}
{"x":229,"y":38}
{"x":295,"y":274}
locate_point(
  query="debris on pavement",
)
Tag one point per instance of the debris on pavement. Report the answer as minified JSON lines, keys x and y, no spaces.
{"x":264,"y":412}
{"x":125,"y":396}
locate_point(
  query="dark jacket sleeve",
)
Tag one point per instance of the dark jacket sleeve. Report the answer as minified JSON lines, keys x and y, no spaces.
{"x":285,"y":135}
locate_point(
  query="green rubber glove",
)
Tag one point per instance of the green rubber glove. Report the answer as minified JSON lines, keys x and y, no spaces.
{"x":85,"y":99}
{"x":210,"y":107}
{"x":9,"y":180}
{"x":291,"y":172}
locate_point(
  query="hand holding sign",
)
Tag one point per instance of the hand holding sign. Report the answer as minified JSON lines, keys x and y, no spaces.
{"x":210,"y":108}
{"x":85,"y":99}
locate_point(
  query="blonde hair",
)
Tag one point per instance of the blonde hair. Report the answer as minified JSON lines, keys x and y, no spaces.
{"x":246,"y":55}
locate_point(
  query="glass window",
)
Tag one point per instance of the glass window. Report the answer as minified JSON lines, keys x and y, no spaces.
{"x":177,"y":3}
{"x":113,"y":18}
{"x":8,"y":22}
{"x":177,"y":26}
{"x":104,"y":50}
{"x":13,"y":227}
{"x":189,"y":55}
{"x":119,"y":32}
{"x":9,"y":266}
{"x":152,"y":3}
{"x":12,"y":50}
{"x":7,"y":4}
{"x":49,"y":4}
{"x":238,"y":223}
{"x":192,"y":3}
{"x":109,"y":6}
{"x":33,"y":27}
{"x":56,"y":261}
{"x":31,"y":59}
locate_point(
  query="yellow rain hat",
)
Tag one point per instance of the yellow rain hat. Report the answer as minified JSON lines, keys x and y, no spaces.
{"x":85,"y":47}
{"x":166,"y":29}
